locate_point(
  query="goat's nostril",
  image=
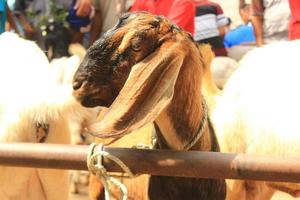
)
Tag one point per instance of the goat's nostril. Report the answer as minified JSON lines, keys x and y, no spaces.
{"x":77,"y":85}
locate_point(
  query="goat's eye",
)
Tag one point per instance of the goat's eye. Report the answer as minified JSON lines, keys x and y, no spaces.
{"x":136,"y":45}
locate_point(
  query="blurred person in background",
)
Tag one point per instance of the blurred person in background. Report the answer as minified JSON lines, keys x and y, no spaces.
{"x":31,"y":12}
{"x":244,"y":33}
{"x":32,"y":15}
{"x":2,"y":15}
{"x":210,"y":25}
{"x":7,"y":22}
{"x":79,"y":18}
{"x":294,"y":26}
{"x":180,"y":12}
{"x":241,"y":39}
{"x":270,"y":19}
{"x":104,"y":14}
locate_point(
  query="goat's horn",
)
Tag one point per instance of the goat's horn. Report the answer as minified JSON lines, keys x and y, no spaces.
{"x":147,"y":91}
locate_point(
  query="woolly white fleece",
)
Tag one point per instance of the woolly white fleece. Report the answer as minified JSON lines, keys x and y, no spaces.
{"x":258,"y":112}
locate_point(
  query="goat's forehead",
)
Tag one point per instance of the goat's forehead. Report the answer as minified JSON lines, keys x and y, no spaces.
{"x":137,"y":21}
{"x":137,"y":25}
{"x":137,"y":17}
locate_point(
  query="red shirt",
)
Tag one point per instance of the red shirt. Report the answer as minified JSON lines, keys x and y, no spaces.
{"x":294,"y":26}
{"x":180,"y":12}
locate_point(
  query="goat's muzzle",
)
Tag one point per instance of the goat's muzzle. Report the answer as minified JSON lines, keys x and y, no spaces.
{"x":90,"y":95}
{"x":77,"y":85}
{"x":78,"y":92}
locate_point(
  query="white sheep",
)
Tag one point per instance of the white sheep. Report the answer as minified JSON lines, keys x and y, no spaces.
{"x":63,"y":70}
{"x":258,"y":113}
{"x":30,"y":96}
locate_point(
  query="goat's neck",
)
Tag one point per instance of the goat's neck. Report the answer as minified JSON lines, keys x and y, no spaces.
{"x":179,"y":123}
{"x":177,"y":126}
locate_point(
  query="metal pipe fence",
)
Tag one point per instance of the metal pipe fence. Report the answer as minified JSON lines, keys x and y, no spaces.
{"x":155,"y":162}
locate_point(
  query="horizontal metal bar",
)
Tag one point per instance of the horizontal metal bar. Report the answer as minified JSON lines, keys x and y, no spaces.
{"x":155,"y":162}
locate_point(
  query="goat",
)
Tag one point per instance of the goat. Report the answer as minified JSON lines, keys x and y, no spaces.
{"x":63,"y":71}
{"x":258,"y":112}
{"x":33,"y":108}
{"x":137,"y":187}
{"x":147,"y":69}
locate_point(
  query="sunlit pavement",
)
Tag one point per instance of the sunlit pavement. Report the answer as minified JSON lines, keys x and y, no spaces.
{"x":282,"y":196}
{"x":82,"y":195}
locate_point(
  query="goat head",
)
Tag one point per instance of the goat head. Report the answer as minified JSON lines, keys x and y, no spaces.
{"x":132,"y":69}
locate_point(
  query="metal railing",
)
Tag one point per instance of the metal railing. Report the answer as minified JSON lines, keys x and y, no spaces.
{"x":155,"y":162}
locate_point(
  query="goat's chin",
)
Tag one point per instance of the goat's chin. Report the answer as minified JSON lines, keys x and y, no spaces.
{"x":91,"y":102}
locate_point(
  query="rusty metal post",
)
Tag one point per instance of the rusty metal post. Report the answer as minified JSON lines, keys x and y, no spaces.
{"x":156,"y":162}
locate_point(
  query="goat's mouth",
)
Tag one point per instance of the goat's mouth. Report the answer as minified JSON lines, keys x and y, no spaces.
{"x":92,"y":96}
{"x":92,"y":101}
{"x":89,"y":101}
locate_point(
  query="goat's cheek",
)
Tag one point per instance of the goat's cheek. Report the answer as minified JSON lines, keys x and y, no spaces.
{"x":106,"y":96}
{"x":102,"y":92}
{"x":120,"y":76}
{"x":117,"y":85}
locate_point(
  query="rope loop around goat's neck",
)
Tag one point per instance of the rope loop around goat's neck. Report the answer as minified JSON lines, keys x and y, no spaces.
{"x":201,"y":128}
{"x":94,"y":163}
{"x":161,"y":142}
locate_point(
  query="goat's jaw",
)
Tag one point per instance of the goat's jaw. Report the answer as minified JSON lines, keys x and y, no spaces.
{"x":88,"y":97}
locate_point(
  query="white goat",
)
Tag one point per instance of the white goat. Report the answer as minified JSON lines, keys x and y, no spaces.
{"x":258,"y":113}
{"x":30,"y":96}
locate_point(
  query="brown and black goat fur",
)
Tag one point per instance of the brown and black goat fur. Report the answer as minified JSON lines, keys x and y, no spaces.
{"x":146,"y":69}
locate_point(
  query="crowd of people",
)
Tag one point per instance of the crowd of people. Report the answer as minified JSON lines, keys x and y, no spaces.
{"x":86,"y":20}
{"x":264,"y":21}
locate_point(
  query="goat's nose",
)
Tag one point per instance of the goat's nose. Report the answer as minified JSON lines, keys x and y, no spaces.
{"x":77,"y":84}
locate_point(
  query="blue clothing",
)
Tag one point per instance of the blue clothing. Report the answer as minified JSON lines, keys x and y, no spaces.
{"x":239,"y":35}
{"x":2,"y":15}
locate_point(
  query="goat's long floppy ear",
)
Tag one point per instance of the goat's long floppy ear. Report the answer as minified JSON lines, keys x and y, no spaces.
{"x":147,"y":91}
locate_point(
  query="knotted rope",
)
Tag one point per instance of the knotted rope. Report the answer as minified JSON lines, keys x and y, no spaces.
{"x":95,"y":166}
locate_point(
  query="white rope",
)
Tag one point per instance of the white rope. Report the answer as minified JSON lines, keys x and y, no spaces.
{"x":94,"y":163}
